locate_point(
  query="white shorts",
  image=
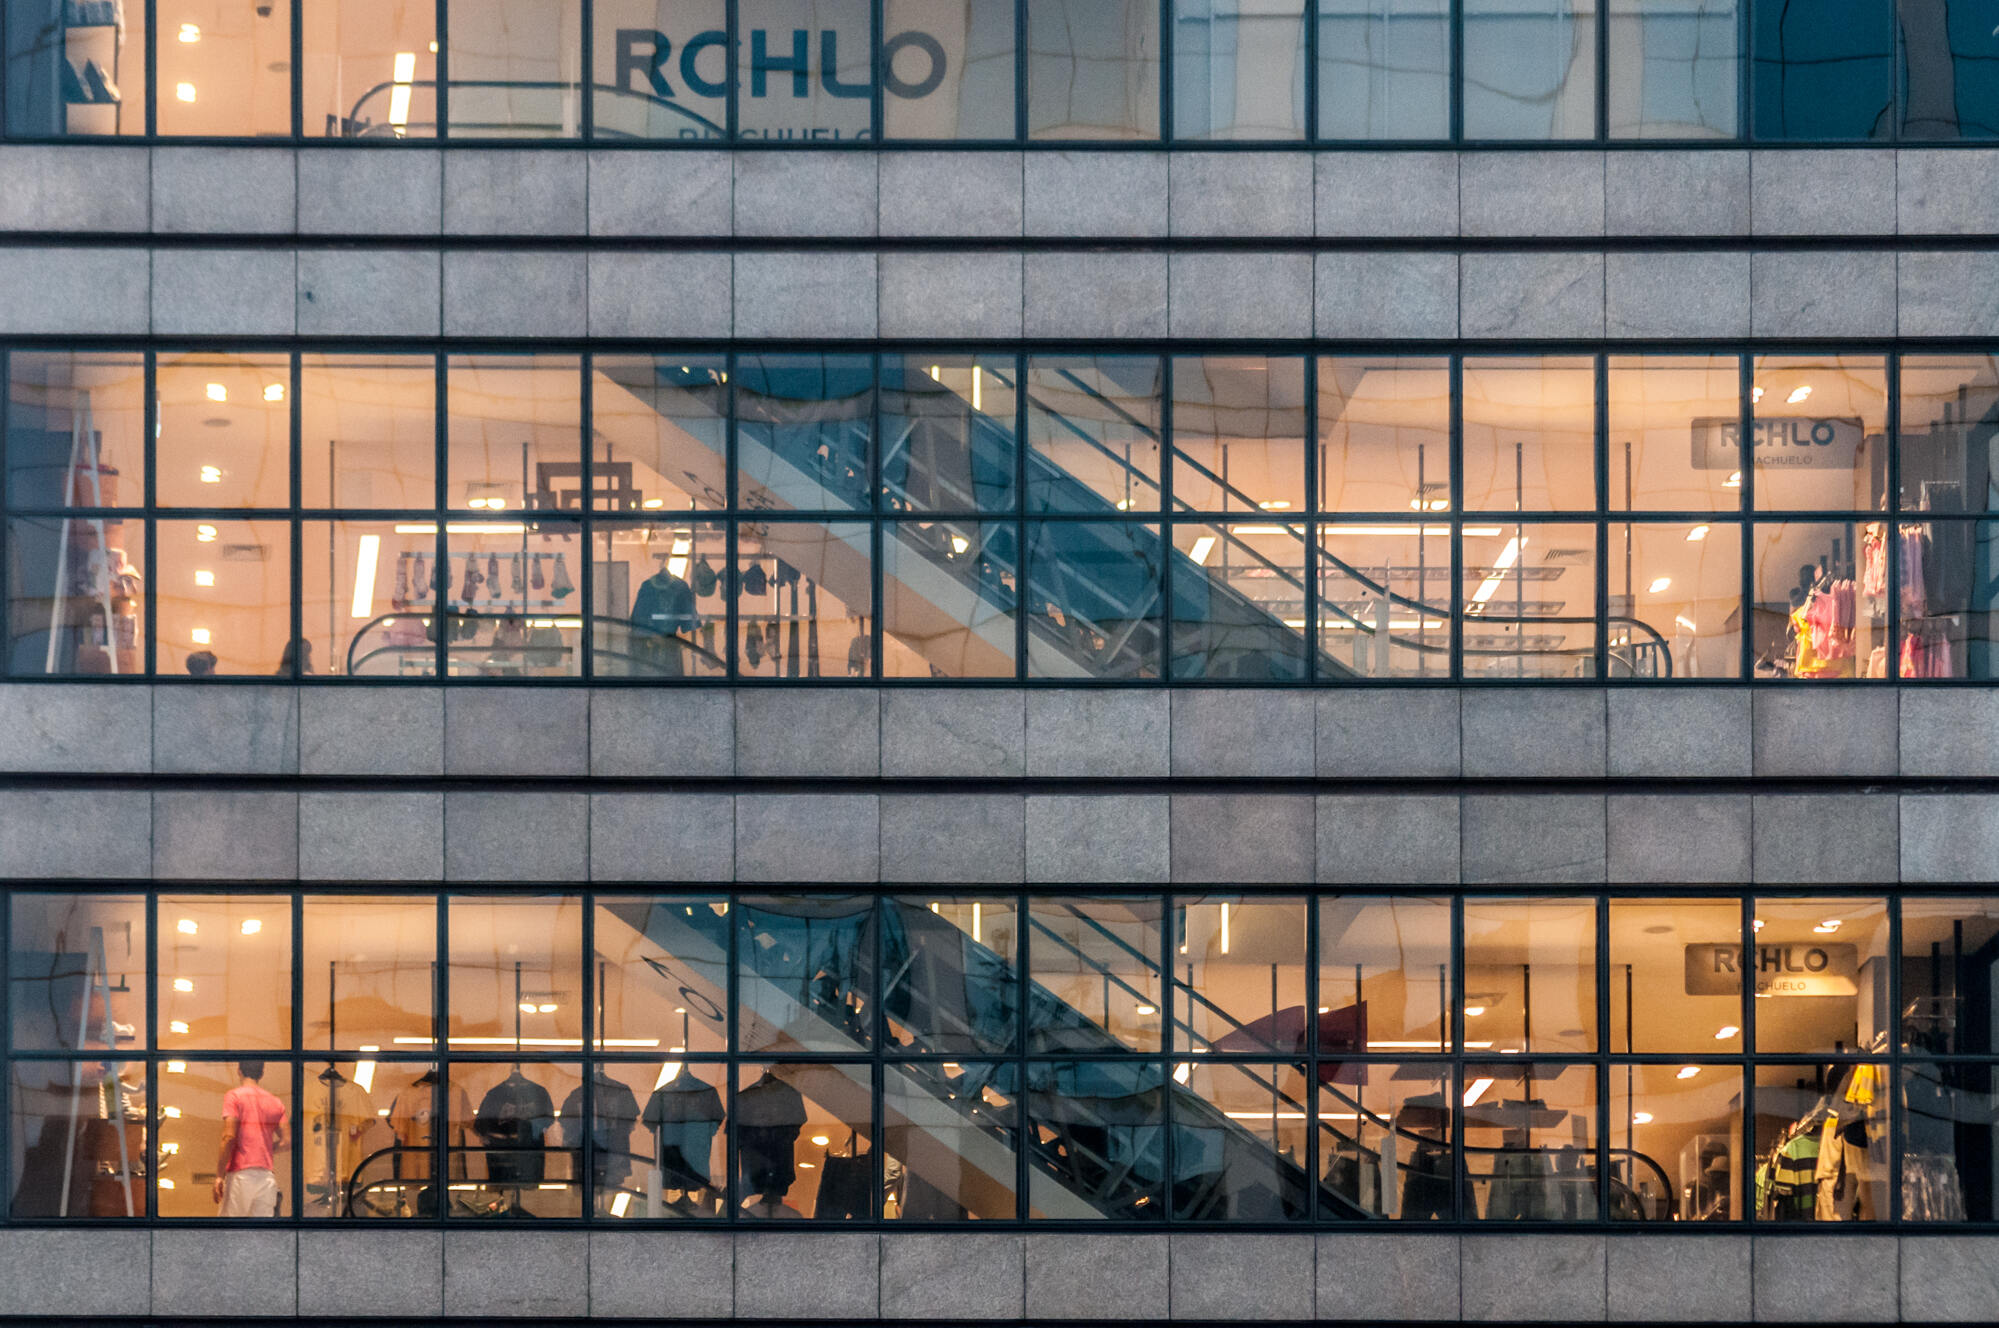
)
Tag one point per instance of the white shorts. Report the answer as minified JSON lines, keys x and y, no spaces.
{"x":250,"y":1192}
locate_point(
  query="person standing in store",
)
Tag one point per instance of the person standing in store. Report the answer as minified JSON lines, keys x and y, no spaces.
{"x":253,"y":1133}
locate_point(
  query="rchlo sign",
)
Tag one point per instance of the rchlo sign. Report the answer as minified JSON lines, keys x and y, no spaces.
{"x":1802,"y":444}
{"x":1805,"y":969}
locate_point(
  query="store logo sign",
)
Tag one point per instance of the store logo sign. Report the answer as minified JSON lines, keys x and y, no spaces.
{"x":781,"y":63}
{"x":1780,"y":970}
{"x":1788,"y":444}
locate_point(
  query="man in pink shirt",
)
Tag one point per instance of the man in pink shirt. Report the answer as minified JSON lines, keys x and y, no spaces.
{"x":253,"y":1132}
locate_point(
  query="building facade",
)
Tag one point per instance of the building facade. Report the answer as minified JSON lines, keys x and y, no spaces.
{"x":1002,"y":660}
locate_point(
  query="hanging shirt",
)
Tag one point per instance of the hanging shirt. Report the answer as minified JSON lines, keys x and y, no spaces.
{"x":665,"y":604}
{"x":516,"y":1113}
{"x":683,"y":1115}
{"x":617,"y":1112}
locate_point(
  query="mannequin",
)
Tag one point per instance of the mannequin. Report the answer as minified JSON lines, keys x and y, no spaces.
{"x":769,"y":1115}
{"x":684,"y":1114}
{"x":663,"y":608}
{"x":514,"y":1116}
{"x":617,"y":1112}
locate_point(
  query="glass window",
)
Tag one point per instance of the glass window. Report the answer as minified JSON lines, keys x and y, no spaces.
{"x":76,"y":975}
{"x":953,"y":972}
{"x":226,"y":1134}
{"x":1675,"y":600}
{"x":368,"y":431}
{"x":1675,"y":976}
{"x":1824,"y":71}
{"x":1675,"y":433}
{"x":1096,"y":964}
{"x":1384,"y":975}
{"x":515,"y":974}
{"x":1238,"y":601}
{"x":1238,"y":433}
{"x":1950,"y":86}
{"x":1238,"y":69}
{"x":1100,"y":1127}
{"x":659,"y":69}
{"x":1950,"y":958}
{"x":371,"y":70}
{"x":949,"y":597}
{"x":514,"y":69}
{"x":224,"y":431}
{"x":1384,"y":69}
{"x":662,"y":969}
{"x":1820,"y":432}
{"x":1811,"y":619}
{"x":1949,"y":433}
{"x":76,"y":429}
{"x":366,"y":1137}
{"x":1947,"y":598}
{"x":659,"y":432}
{"x":1239,"y":1138}
{"x":1385,"y":601}
{"x":224,"y":590}
{"x":1674,"y":68}
{"x":75,"y":70}
{"x":952,"y":1135}
{"x":1948,"y":1133}
{"x":1094,"y":427}
{"x":225,"y":72}
{"x":1675,"y":1143}
{"x":948,"y":69}
{"x":805,"y":1143}
{"x":660,"y":600}
{"x":804,"y":602}
{"x":1530,"y":69}
{"x":1530,"y":966}
{"x":370,"y":971}
{"x":1530,"y":1141}
{"x":1821,"y":1139}
{"x":1822,"y":976}
{"x":514,"y":433}
{"x":225,"y":972}
{"x":675,"y":1164}
{"x":514,"y":1164}
{"x":805,"y":69}
{"x":1093,"y":69}
{"x":804,"y":432}
{"x":75,"y":596}
{"x":948,"y":432}
{"x":1384,"y":434}
{"x":1239,"y":975}
{"x":366,"y":598}
{"x":1385,"y":1143}
{"x":1528,"y":600}
{"x":77,"y":1140}
{"x":1093,"y":599}
{"x":1529,"y":434}
{"x":805,"y":973}
{"x":509,"y":603}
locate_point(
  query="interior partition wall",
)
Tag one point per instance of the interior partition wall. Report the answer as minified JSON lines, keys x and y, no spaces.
{"x":1268,"y":1057}
{"x":1003,"y":71}
{"x":1139,"y":516}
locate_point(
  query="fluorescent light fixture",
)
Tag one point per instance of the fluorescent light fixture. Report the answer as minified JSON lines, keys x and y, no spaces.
{"x":1259,"y":530}
{"x":1799,"y":394}
{"x":676,"y":565}
{"x":204,"y":577}
{"x":399,"y":95}
{"x":274,"y":392}
{"x":464,"y":528}
{"x":187,"y":927}
{"x":1203,"y":548}
{"x":1507,"y":557}
{"x":1725,"y":1032}
{"x":1697,"y":534}
{"x":667,"y":1074}
{"x":364,"y":1076}
{"x":184,"y":92}
{"x":639,"y":1043}
{"x":1660,"y":584}
{"x":1688,"y":1071}
{"x":366,"y":559}
{"x":1183,"y":1072}
{"x":976,"y":939}
{"x":217,"y":392}
{"x":620,"y":1203}
{"x":1275,"y":505}
{"x":199,"y":636}
{"x":978,"y":388}
{"x":1476,"y":1091}
{"x":1686,"y":622}
{"x":1225,"y":928}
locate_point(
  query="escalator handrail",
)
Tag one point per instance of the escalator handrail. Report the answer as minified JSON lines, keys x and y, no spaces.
{"x":457,"y":615}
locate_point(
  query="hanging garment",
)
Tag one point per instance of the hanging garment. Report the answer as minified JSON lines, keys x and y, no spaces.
{"x":845,"y":1184}
{"x":705,"y":578}
{"x":514,"y":1119}
{"x":684,"y":1113}
{"x":516,"y":579}
{"x":1524,"y":1188}
{"x":560,"y":585}
{"x":1931,"y":1188}
{"x":534,"y":572}
{"x":769,"y":1115}
{"x":402,"y":576}
{"x":615,"y":1114}
{"x":1793,"y":1182}
{"x":470,"y":587}
{"x":412,"y":1115}
{"x":1426,"y":1185}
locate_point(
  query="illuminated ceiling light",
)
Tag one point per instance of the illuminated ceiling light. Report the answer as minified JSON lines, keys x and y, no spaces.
{"x":399,"y":95}
{"x":1697,"y":534}
{"x":433,"y":48}
{"x":1755,"y":394}
{"x":1725,"y":1032}
{"x":204,"y":577}
{"x":936,"y":373}
{"x":199,"y":636}
{"x":184,"y":92}
{"x":1641,"y":1118}
{"x":176,"y":1067}
{"x":527,"y":1007}
{"x":1476,"y":1090}
{"x":216,"y":391}
{"x":1183,"y":1072}
{"x":959,"y":544}
{"x":1259,"y":530}
{"x":1828,"y":927}
{"x":1688,"y":1071}
{"x":621,"y":1203}
{"x":204,"y":534}
{"x":274,"y":392}
{"x":677,"y":564}
{"x":1734,"y":480}
{"x":211,"y":474}
{"x":183,"y":984}
{"x":187,"y":927}
{"x":179,"y":1027}
{"x":1799,"y":394}
{"x":547,"y":1009}
{"x":1203,"y":547}
{"x":1474,"y":1011}
{"x":1225,"y":928}
{"x":189,"y":34}
{"x":366,"y":559}
{"x":1756,"y":925}
{"x":1684,"y":621}
{"x":1275,"y":505}
{"x":165,"y":1182}
{"x":977,"y":388}
{"x":653,"y":504}
{"x":1507,"y":557}
{"x":1147,"y":1009}
{"x":821,"y":1140}
{"x":1659,"y":584}
{"x":251,"y":926}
